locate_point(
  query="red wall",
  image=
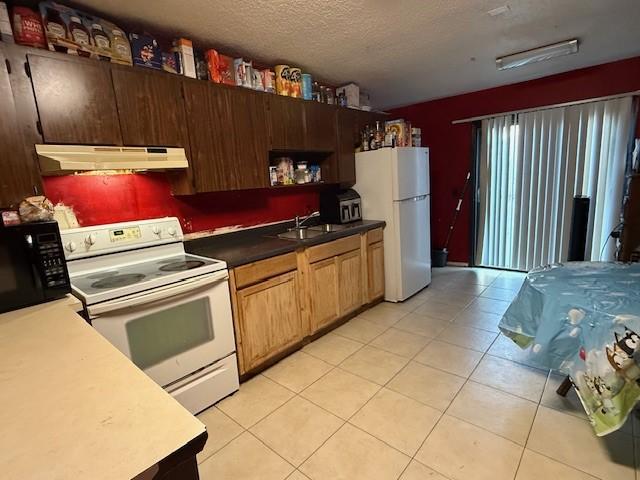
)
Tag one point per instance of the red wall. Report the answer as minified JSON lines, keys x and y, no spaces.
{"x":450,"y":145}
{"x":98,"y":199}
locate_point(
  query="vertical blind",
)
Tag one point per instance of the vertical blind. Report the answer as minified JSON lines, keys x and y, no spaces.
{"x":532,"y":165}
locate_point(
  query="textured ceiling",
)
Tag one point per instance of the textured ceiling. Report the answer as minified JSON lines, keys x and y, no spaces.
{"x":401,"y":51}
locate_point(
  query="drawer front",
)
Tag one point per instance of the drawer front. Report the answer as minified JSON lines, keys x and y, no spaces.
{"x":374,"y":236}
{"x":331,"y":249}
{"x":263,"y":269}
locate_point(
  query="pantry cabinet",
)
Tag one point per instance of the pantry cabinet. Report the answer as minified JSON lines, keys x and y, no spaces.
{"x":150,"y":107}
{"x":286,"y":123}
{"x":76,"y":101}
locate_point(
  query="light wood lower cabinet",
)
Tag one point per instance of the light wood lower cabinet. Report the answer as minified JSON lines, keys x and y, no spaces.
{"x":268,"y":319}
{"x":375,"y":271}
{"x":350,"y":281}
{"x":323,"y":293}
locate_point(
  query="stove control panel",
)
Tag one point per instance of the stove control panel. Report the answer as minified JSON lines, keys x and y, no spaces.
{"x":102,"y":239}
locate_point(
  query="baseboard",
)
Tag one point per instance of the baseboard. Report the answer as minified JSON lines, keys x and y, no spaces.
{"x":457,"y":264}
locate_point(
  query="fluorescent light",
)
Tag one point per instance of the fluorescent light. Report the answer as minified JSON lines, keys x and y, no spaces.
{"x":537,"y":54}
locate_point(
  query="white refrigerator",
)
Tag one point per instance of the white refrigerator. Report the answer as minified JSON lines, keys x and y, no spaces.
{"x":394,"y":186}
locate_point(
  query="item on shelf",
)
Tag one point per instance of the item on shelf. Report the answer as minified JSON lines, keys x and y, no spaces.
{"x":6,"y":35}
{"x":315,"y":173}
{"x":184,"y":48}
{"x":120,"y":48}
{"x":213,"y":64}
{"x":284,"y":170}
{"x":315,"y":92}
{"x":323,"y":94}
{"x":56,"y":19}
{"x":268,"y":80}
{"x":27,"y":27}
{"x":256,"y":80}
{"x":379,"y":134}
{"x":302,"y":173}
{"x":295,"y":82}
{"x":282,"y":79}
{"x":239,"y":71}
{"x":365,"y":101}
{"x":342,"y":99}
{"x":170,"y":62}
{"x":351,"y":92}
{"x":402,"y":130}
{"x":273,"y":175}
{"x":145,"y":51}
{"x":36,"y":209}
{"x":101,"y":40}
{"x":416,"y":137}
{"x":80,"y":35}
{"x":330,"y":95}
{"x":10,"y":217}
{"x":307,"y":86}
{"x":202,"y":72}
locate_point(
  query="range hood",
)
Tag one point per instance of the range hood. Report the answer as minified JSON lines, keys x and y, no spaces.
{"x":64,"y":159}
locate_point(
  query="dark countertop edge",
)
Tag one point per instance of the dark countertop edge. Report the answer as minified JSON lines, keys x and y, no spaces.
{"x":234,"y":247}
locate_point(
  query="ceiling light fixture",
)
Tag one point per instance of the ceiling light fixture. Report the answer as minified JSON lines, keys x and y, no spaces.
{"x":537,"y":55}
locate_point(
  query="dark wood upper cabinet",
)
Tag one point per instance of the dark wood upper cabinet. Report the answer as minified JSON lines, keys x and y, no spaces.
{"x":150,"y":107}
{"x":20,"y":176}
{"x":320,"y":127}
{"x":348,"y":138}
{"x":75,"y":99}
{"x":286,"y":123}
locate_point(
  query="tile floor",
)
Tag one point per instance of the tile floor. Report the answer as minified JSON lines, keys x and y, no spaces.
{"x":425,"y":389}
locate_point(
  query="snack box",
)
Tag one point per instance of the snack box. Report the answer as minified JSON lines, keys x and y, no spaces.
{"x":170,"y":62}
{"x":184,"y":48}
{"x":27,"y":26}
{"x":213,"y":64}
{"x":402,"y":130}
{"x":351,"y":92}
{"x":145,"y":51}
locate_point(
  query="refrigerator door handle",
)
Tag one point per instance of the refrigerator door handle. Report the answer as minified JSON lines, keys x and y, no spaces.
{"x":413,"y":199}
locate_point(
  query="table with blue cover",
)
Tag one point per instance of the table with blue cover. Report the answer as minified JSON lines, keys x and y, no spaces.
{"x":583,"y":319}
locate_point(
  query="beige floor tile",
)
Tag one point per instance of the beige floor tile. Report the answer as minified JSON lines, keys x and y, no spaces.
{"x":221,"y":431}
{"x":496,"y":293}
{"x":245,"y":458}
{"x":450,"y":296}
{"x":463,"y":451}
{"x":450,"y":358}
{"x":501,"y":413}
{"x":417,"y":471}
{"x":410,"y":304}
{"x":360,"y":329}
{"x":464,"y":288}
{"x":509,"y":282}
{"x":397,"y":420}
{"x":296,"y":429}
{"x":504,"y":347}
{"x":352,"y":454}
{"x":297,"y":371}
{"x":472,"y":317}
{"x":571,"y":441}
{"x":490,"y":305}
{"x":297,"y":476}
{"x":569,"y":404}
{"x":332,"y":348}
{"x":427,"y":385}
{"x":401,"y":343}
{"x":440,"y":310}
{"x":341,"y":393}
{"x":374,"y":364}
{"x":467,"y":337}
{"x":534,"y":466}
{"x":422,"y":325}
{"x":256,"y":399}
{"x":384,"y":314}
{"x":510,"y":377}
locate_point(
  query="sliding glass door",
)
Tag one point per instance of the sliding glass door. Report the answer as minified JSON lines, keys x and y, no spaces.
{"x":532,"y":165}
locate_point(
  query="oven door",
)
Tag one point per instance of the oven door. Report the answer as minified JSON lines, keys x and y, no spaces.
{"x":173,"y":331}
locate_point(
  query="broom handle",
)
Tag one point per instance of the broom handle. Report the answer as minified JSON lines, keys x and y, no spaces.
{"x":457,"y":210}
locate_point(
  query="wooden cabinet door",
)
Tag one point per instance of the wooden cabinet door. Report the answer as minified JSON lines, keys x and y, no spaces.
{"x":323,"y":293}
{"x":19,"y":172}
{"x":269,"y":318}
{"x":320,"y":127}
{"x":76,"y":102}
{"x":250,"y":134}
{"x":348,"y":138}
{"x":375,"y":270}
{"x":286,"y":123}
{"x":150,"y":107}
{"x":350,"y":281}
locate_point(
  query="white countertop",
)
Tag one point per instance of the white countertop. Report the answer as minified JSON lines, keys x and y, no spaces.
{"x":73,"y":406}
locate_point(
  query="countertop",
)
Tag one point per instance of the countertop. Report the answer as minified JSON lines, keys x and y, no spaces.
{"x":73,"y":406}
{"x":251,"y":245}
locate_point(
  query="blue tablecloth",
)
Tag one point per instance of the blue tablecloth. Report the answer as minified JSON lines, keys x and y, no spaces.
{"x":583,"y":319}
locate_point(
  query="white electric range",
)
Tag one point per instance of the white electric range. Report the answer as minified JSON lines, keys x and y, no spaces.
{"x":167,"y":310}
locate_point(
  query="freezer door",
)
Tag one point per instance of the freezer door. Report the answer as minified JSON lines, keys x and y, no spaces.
{"x":410,"y":171}
{"x":413,"y":256}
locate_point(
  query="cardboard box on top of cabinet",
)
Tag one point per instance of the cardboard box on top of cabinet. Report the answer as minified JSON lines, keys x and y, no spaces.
{"x":184,"y":48}
{"x":146,"y":52}
{"x":352,"y":93}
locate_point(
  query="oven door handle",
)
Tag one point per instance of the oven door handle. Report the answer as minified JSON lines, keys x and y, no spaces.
{"x":157,"y":294}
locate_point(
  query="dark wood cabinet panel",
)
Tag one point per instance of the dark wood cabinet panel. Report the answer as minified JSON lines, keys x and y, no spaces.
{"x":348,"y":138}
{"x":320,"y":127}
{"x":150,"y":107}
{"x":20,"y":176}
{"x":286,"y":123}
{"x":75,"y":99}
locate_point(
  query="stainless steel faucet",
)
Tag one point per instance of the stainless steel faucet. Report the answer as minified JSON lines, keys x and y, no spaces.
{"x":301,"y":220}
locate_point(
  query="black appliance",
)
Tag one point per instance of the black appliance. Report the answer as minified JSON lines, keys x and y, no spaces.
{"x":340,"y":206}
{"x":579,"y":228}
{"x":32,"y":265}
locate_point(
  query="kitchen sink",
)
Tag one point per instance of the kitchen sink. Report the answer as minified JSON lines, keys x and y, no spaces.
{"x":328,"y":228}
{"x":300,"y":234}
